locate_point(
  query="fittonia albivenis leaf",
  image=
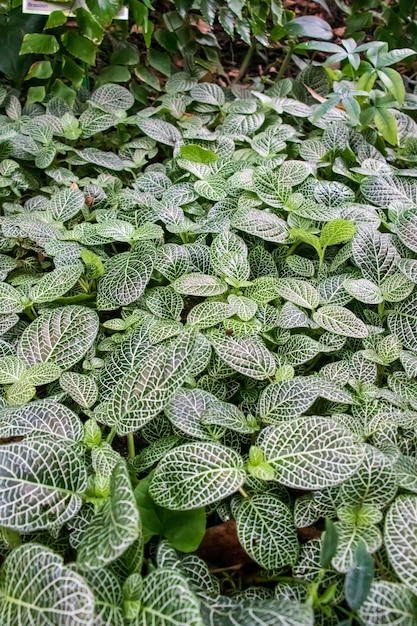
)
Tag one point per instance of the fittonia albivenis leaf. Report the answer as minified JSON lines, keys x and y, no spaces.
{"x":229,"y":302}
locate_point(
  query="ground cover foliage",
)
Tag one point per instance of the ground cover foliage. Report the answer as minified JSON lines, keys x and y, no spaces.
{"x":208,"y":313}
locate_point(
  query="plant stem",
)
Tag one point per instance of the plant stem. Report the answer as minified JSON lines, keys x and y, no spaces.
{"x":131,"y":446}
{"x":286,"y":62}
{"x":246,"y":60}
{"x":111,"y":435}
{"x":243,"y":492}
{"x":12,"y":537}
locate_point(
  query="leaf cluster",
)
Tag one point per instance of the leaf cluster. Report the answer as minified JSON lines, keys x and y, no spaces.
{"x":224,"y":285}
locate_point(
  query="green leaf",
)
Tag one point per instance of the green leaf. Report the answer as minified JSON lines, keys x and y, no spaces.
{"x":329,"y":541}
{"x":36,"y":94}
{"x":336,"y":231}
{"x":36,"y":43}
{"x":88,"y":25}
{"x":54,"y":477}
{"x":104,"y":10}
{"x":310,"y":452}
{"x":266,"y":531}
{"x":359,"y":578}
{"x":183,"y":529}
{"x":387,"y":125}
{"x":114,"y":527}
{"x":40,"y":69}
{"x":80,"y":47}
{"x":193,"y":152}
{"x":38,"y":588}
{"x":308,"y":26}
{"x":55,"y":19}
{"x":393,"y":82}
{"x":159,"y":60}
{"x":194,"y":475}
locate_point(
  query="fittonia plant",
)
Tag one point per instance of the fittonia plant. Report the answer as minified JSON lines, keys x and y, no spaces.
{"x":208,"y":313}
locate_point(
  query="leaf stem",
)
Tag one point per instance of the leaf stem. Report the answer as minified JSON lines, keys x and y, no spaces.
{"x":245,"y":63}
{"x":243,"y":492}
{"x":111,"y":435}
{"x":131,"y":446}
{"x":286,"y":62}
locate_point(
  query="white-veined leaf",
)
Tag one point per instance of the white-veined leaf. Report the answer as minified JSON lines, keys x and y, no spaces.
{"x":266,"y":531}
{"x":65,"y":204}
{"x":406,"y":228}
{"x":206,"y":314}
{"x":363,"y":290}
{"x":247,"y":355}
{"x":10,"y":299}
{"x":61,"y":336}
{"x":350,"y":536}
{"x":37,"y":588}
{"x":124,"y":281}
{"x":262,"y":224}
{"x":111,"y":98}
{"x":41,"y":419}
{"x":80,"y":387}
{"x":341,"y":321}
{"x":298,"y":291}
{"x":276,"y":613}
{"x":41,"y":484}
{"x":388,"y":604}
{"x":148,"y":385}
{"x":196,"y":474}
{"x":403,"y":322}
{"x":161,"y":131}
{"x":114,"y":527}
{"x":400,"y":537}
{"x":167,"y":600}
{"x":54,"y":284}
{"x":310,"y":452}
{"x":108,"y":599}
{"x":287,"y":399}
{"x":375,"y":254}
{"x":199,"y":285}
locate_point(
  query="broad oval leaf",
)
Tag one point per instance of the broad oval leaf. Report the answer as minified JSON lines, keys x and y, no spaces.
{"x":194,"y":475}
{"x":54,"y":284}
{"x":39,"y":419}
{"x":310,"y":453}
{"x":341,"y":321}
{"x":388,"y":604}
{"x":247,"y":355}
{"x":287,"y":399}
{"x":298,"y":291}
{"x":401,"y":539}
{"x":266,"y":531}
{"x":167,"y":600}
{"x":124,"y":280}
{"x":62,"y":336}
{"x":37,"y":588}
{"x":41,"y":484}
